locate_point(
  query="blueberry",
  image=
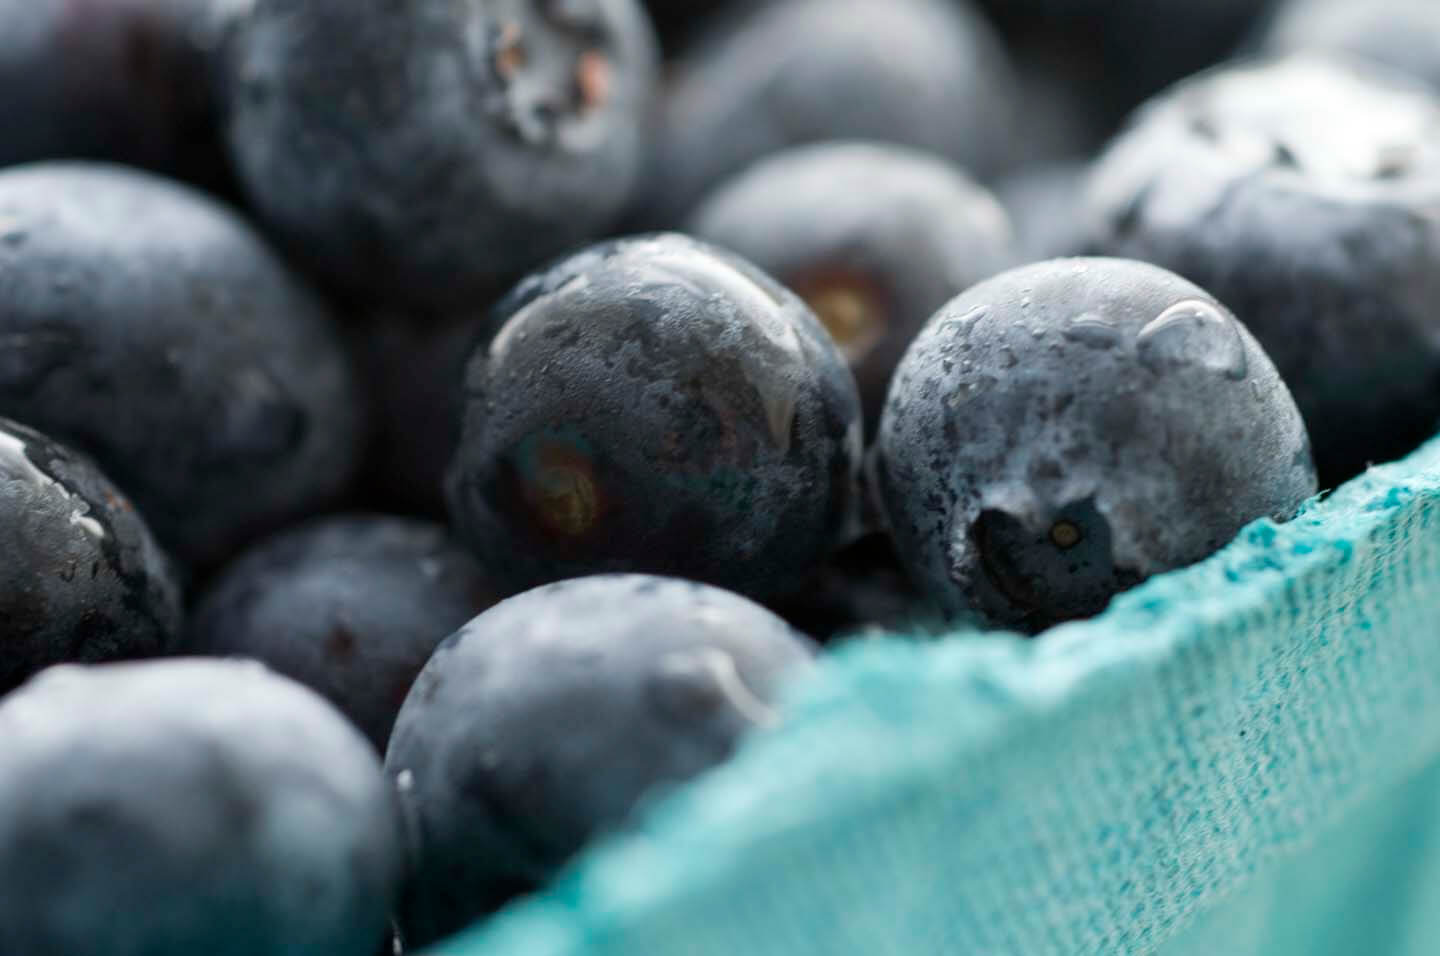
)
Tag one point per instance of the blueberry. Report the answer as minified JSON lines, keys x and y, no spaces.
{"x":1301,"y":193}
{"x":123,"y":80}
{"x":1068,"y":428}
{"x":151,"y":328}
{"x":181,"y":807}
{"x":81,"y":579}
{"x":455,"y":143}
{"x":874,"y":237}
{"x":550,"y":717}
{"x":925,"y":73}
{"x":1400,"y":34}
{"x":351,"y":606}
{"x":656,"y":404}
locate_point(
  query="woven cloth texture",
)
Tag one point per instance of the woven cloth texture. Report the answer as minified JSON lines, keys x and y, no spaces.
{"x":1242,"y":757}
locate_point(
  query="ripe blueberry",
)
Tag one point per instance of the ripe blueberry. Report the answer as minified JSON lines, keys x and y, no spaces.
{"x":547,"y":720}
{"x":81,"y":579}
{"x":180,"y":807}
{"x":656,"y":404}
{"x":1301,"y":193}
{"x":351,"y":606}
{"x":419,"y":152}
{"x":152,"y":328}
{"x":1066,"y":429}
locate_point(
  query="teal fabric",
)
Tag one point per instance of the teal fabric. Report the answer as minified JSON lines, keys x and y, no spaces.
{"x":1239,"y":758}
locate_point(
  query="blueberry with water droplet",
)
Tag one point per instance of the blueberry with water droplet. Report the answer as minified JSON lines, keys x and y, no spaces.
{"x":669,"y":408}
{"x":1321,"y":235}
{"x":351,"y":606}
{"x":549,"y":718}
{"x":1064,"y":469}
{"x":152,"y":328}
{"x":81,"y":579}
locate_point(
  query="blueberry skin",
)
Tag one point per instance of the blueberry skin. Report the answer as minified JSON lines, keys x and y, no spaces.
{"x":180,"y":807}
{"x":1066,"y":429}
{"x":1321,"y":237}
{"x":123,"y":80}
{"x":352,"y":606}
{"x":926,"y":73}
{"x":418,"y":152}
{"x":656,"y":404}
{"x":552,"y":716}
{"x":1400,"y":34}
{"x":875,"y":238}
{"x":151,"y":327}
{"x":82,"y":579}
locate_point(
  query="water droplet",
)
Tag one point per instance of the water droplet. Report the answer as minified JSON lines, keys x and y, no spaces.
{"x":970,"y":389}
{"x":963,"y":323}
{"x":1037,"y":332}
{"x":1008,"y":359}
{"x":1193,"y":332}
{"x":1092,"y":331}
{"x":692,"y":686}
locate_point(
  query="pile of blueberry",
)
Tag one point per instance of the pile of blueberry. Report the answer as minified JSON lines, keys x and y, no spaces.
{"x":428,"y":430}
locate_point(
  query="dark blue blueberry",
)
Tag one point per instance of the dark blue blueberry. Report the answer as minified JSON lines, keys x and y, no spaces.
{"x":80,"y":578}
{"x":548,"y":719}
{"x":925,"y":73}
{"x":656,"y":404}
{"x":152,"y":328}
{"x":122,"y":80}
{"x":351,"y":606}
{"x":419,"y":152}
{"x":1302,"y":193}
{"x":1400,"y":34}
{"x":1069,"y":428}
{"x":874,"y":237}
{"x":182,"y":807}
